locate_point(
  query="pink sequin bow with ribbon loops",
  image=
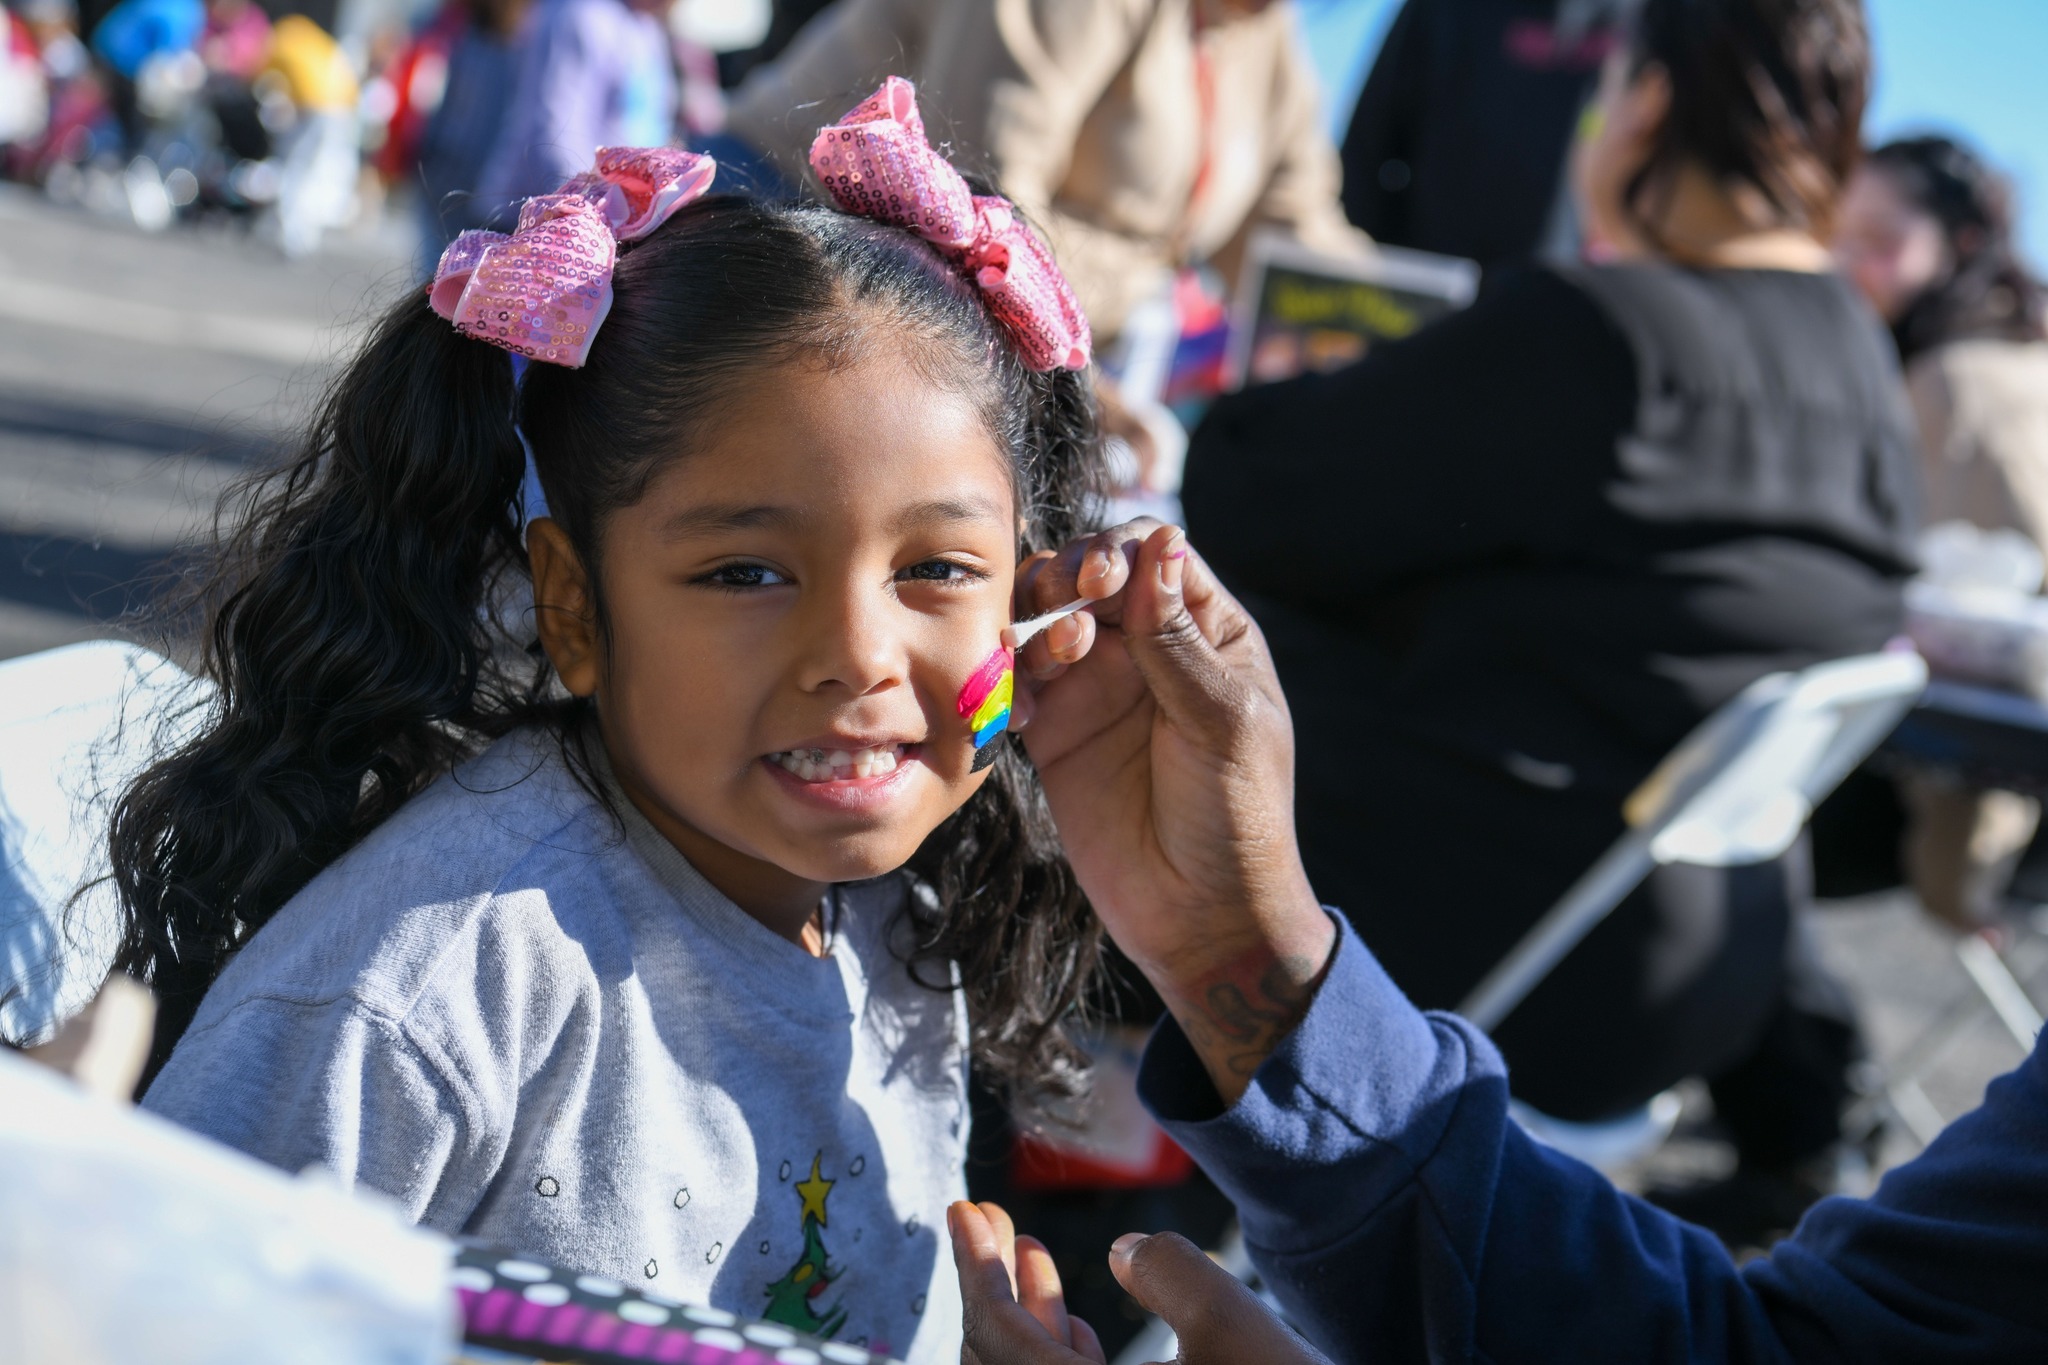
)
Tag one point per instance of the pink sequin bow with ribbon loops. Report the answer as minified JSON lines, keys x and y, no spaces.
{"x":543,"y":291}
{"x":877,"y":163}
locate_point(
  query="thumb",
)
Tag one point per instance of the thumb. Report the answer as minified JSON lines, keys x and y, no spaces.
{"x":1187,"y":677}
{"x":1216,"y":1317}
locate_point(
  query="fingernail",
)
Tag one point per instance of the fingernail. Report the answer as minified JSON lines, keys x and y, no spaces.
{"x":1174,"y":562}
{"x":1093,"y":566}
{"x":1125,"y":1246}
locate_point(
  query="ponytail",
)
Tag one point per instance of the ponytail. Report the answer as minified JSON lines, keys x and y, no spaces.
{"x":351,"y":635}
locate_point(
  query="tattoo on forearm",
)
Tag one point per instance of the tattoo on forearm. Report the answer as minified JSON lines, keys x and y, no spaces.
{"x":1242,"y":1019}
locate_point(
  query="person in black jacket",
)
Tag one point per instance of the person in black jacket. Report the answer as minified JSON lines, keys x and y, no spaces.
{"x":1507,"y":564}
{"x":1458,"y":141}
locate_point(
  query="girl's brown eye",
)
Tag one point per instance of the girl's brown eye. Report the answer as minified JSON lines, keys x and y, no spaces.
{"x":744,"y":576}
{"x":940,"y":571}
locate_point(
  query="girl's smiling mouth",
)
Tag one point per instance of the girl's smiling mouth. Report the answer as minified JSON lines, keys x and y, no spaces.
{"x":819,"y":764}
{"x":844,"y":777}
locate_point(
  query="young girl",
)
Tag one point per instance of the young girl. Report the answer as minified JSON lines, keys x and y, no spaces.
{"x":657,"y":948}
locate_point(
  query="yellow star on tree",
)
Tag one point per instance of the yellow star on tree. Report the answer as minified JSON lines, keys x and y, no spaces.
{"x":813,"y":1192}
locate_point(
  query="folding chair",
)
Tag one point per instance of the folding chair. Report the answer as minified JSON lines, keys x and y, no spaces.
{"x":1993,"y":739}
{"x":1896,"y":1091}
{"x":1737,"y":791}
{"x":75,"y":724}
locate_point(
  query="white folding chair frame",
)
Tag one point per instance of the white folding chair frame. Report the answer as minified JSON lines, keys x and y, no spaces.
{"x":1737,"y":791}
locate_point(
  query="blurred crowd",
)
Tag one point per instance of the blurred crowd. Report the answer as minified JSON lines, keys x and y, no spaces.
{"x":294,"y":119}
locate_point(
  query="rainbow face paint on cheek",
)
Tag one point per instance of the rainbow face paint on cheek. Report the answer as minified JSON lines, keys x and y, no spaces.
{"x":985,"y":703}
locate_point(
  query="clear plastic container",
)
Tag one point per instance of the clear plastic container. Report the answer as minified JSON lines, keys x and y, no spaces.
{"x":125,"y":1240}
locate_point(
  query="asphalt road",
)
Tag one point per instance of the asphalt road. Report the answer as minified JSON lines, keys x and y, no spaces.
{"x":140,"y":375}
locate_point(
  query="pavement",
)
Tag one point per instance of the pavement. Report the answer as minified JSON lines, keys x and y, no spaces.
{"x":140,"y":375}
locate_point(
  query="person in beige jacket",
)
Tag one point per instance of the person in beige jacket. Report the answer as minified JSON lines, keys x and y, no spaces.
{"x":1927,"y":233}
{"x":1141,"y":135}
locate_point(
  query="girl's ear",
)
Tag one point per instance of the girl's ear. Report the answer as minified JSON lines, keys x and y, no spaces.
{"x":564,"y":609}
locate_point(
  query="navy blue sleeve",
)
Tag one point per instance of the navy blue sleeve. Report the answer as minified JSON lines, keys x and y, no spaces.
{"x":1947,"y":1261}
{"x":1399,"y":1214}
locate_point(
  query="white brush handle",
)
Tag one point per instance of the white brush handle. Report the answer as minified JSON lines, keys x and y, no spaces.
{"x":1016,"y":634}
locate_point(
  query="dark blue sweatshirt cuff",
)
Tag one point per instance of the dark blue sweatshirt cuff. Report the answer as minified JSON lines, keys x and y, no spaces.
{"x":1340,"y":1118}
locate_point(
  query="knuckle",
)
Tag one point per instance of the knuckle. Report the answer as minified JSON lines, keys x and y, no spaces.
{"x":1179,"y":630}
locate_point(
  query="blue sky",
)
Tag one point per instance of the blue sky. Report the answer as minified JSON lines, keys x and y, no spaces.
{"x":1973,"y":68}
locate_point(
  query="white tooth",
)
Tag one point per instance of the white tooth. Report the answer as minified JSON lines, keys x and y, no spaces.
{"x":864,"y":763}
{"x":885,"y":761}
{"x":841,"y":759}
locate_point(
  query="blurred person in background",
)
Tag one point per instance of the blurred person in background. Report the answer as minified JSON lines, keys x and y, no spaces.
{"x":589,"y":74}
{"x":785,"y":19}
{"x":133,"y":33}
{"x":457,"y":137}
{"x":24,"y":86}
{"x":235,"y":47}
{"x":322,"y":149}
{"x":1928,"y":234}
{"x":77,"y":99}
{"x":52,"y":25}
{"x":236,"y":39}
{"x":1507,"y":564}
{"x":1140,"y":137}
{"x":1458,"y":142}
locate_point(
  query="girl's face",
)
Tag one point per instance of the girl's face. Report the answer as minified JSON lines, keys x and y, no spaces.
{"x":1893,"y":250}
{"x":794,"y":607}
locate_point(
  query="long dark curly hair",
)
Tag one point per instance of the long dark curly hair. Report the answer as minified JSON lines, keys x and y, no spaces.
{"x":365,"y":624}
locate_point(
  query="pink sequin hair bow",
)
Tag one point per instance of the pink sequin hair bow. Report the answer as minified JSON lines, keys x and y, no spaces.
{"x":877,"y":163}
{"x":543,"y":290}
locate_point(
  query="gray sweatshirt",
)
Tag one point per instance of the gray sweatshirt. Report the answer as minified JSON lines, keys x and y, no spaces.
{"x":531,"y":1031}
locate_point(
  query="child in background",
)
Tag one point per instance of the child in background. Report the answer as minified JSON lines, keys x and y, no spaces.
{"x":657,"y":949}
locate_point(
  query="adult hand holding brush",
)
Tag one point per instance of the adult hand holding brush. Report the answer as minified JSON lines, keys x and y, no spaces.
{"x":1166,"y":752}
{"x":1164,"y":745}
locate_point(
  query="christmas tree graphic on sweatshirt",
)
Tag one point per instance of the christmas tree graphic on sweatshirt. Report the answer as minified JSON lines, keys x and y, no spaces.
{"x":792,"y":1300}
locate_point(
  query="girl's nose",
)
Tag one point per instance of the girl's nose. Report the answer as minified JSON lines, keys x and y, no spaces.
{"x":850,"y":644}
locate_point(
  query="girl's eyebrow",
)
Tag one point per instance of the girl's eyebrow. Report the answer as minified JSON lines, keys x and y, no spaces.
{"x":728,"y":517}
{"x":714,"y":518}
{"x":940,"y":511}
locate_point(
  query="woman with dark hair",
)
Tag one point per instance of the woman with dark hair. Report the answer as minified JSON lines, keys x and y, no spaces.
{"x":1927,"y":234}
{"x":1574,"y":520}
